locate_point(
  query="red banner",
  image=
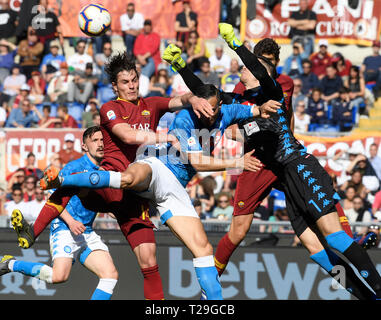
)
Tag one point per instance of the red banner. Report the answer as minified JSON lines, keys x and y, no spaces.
{"x":162,"y":13}
{"x":336,"y":22}
{"x":43,"y":143}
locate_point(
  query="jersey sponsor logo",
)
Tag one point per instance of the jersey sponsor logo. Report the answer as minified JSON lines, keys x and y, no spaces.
{"x":111,"y":115}
{"x":251,"y":127}
{"x":146,"y":113}
{"x":191,"y":141}
{"x":94,"y":178}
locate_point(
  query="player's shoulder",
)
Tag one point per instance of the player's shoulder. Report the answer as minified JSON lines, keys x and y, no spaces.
{"x":74,"y":166}
{"x":184,"y":117}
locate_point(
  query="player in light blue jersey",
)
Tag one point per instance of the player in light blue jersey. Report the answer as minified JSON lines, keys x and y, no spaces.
{"x":72,"y":236}
{"x":162,"y":178}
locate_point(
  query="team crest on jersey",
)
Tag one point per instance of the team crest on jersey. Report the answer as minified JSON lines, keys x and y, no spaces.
{"x":191,"y":141}
{"x":241,"y":204}
{"x":146,"y":113}
{"x":111,"y":115}
{"x":251,"y":127}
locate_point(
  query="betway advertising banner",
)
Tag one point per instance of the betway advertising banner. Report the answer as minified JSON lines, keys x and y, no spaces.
{"x":254,"y":273}
{"x":336,"y":21}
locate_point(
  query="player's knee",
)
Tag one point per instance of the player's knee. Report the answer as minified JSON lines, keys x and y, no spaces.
{"x":110,"y":273}
{"x":59,"y":277}
{"x":239,"y":230}
{"x":204,"y":248}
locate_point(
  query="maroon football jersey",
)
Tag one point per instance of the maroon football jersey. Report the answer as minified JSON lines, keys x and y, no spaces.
{"x":143,"y":116}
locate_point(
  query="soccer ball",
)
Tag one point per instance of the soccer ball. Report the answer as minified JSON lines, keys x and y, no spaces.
{"x":94,"y":20}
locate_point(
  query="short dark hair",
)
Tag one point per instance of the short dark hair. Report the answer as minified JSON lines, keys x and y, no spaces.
{"x":89,"y":132}
{"x":207,"y":91}
{"x":267,"y":46}
{"x":16,"y":187}
{"x":46,"y":106}
{"x":63,"y":108}
{"x":117,"y":63}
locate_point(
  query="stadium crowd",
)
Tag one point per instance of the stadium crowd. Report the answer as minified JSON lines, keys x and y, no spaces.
{"x":41,"y":87}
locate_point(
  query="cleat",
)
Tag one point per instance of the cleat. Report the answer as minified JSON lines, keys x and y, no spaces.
{"x":24,"y":230}
{"x":203,"y":295}
{"x":4,"y":264}
{"x":227,"y":33}
{"x":51,"y":179}
{"x":172,"y":54}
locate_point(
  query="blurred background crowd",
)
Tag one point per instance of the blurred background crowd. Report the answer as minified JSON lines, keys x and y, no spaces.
{"x":48,"y":81}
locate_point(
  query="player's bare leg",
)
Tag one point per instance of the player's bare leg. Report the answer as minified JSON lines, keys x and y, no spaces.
{"x":137,"y":177}
{"x":239,"y":227}
{"x":61,"y":269}
{"x":100,"y":262}
{"x":330,"y":227}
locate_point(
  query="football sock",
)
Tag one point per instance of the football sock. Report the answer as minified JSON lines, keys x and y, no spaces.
{"x":52,"y":209}
{"x":32,"y":269}
{"x":93,"y":179}
{"x":207,"y":277}
{"x":225,"y":249}
{"x":104,"y":289}
{"x":358,"y":257}
{"x":327,"y":259}
{"x":153,"y":288}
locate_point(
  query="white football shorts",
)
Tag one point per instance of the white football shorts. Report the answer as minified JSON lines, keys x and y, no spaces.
{"x":166,"y":192}
{"x":64,"y":244}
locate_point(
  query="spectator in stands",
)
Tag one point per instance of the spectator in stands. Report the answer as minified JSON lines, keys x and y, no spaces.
{"x":316,"y":107}
{"x":232,"y":78}
{"x":342,"y":65}
{"x":198,"y":207}
{"x":308,"y":78}
{"x":301,"y":118}
{"x":223,"y":210}
{"x":356,"y":85}
{"x":144,"y":81}
{"x":68,"y":153}
{"x":349,"y":194}
{"x":46,"y":121}
{"x":37,"y":87}
{"x":358,"y":213}
{"x":371,"y":68}
{"x":96,"y":119}
{"x":303,"y":23}
{"x":55,"y":161}
{"x":376,"y":206}
{"x":79,"y":59}
{"x":342,"y":110}
{"x":8,"y":22}
{"x":101,"y":59}
{"x":3,"y":116}
{"x":297,"y":95}
{"x":360,"y":163}
{"x":356,"y":182}
{"x":147,"y":49}
{"x":293,"y":64}
{"x":90,"y":75}
{"x":220,"y":61}
{"x":186,"y":21}
{"x":29,"y":188}
{"x":131,"y":24}
{"x":47,"y":25}
{"x":53,"y":59}
{"x":13,"y":83}
{"x":81,"y":88}
{"x":331,"y":84}
{"x":195,"y":50}
{"x":67,"y":121}
{"x":35,"y":205}
{"x":206,"y":75}
{"x":321,"y":59}
{"x":23,"y":117}
{"x":23,"y":95}
{"x":375,"y":160}
{"x":30,"y":168}
{"x":30,"y":51}
{"x":3,"y":200}
{"x":15,"y":179}
{"x":160,"y":83}
{"x":59,"y":86}
{"x":8,"y":52}
{"x":205,"y":192}
{"x":87,"y":116}
{"x":16,"y":202}
{"x":178,"y":86}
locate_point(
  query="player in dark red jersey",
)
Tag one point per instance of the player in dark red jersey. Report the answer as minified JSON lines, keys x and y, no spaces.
{"x":126,"y":123}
